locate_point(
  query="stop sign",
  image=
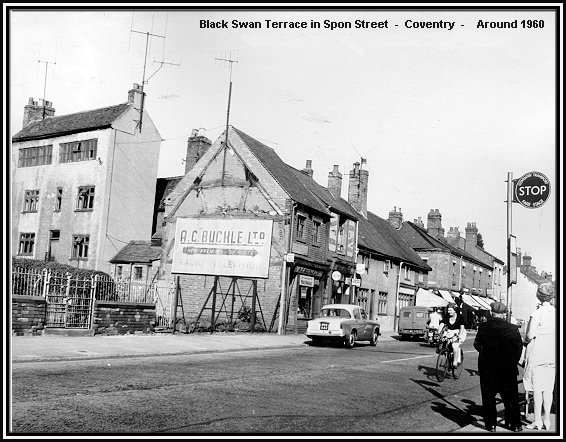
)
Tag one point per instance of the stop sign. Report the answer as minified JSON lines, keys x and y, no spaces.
{"x":532,"y":190}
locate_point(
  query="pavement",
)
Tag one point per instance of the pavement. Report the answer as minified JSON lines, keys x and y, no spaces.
{"x":68,"y":348}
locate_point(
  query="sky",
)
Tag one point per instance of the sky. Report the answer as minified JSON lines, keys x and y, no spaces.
{"x":442,"y":115}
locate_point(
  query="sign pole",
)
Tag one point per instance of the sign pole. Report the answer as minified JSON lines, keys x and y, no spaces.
{"x":509,"y":233}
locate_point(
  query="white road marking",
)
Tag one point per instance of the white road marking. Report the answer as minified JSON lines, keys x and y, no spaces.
{"x":417,"y":357}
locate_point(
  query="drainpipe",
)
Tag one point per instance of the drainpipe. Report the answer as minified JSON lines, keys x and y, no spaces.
{"x":460,"y":279}
{"x":282,"y":304}
{"x":395,"y":319}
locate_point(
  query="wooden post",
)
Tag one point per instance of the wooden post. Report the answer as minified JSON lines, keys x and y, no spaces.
{"x":174,"y":303}
{"x":252,"y":323}
{"x":212,"y":321}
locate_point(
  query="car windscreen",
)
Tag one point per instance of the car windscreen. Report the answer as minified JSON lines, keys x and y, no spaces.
{"x":335,"y":312}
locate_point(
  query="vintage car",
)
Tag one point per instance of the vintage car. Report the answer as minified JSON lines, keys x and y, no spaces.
{"x":345,"y":323}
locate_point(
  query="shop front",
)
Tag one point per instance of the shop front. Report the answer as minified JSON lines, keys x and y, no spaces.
{"x":307,"y":284}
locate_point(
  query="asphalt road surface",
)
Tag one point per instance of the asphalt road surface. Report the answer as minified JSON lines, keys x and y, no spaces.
{"x":386,"y":389}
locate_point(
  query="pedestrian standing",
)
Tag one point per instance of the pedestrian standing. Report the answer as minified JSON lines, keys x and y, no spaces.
{"x":540,"y":371}
{"x":500,"y":345}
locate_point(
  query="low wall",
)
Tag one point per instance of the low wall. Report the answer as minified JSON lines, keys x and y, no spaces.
{"x":117,"y":318}
{"x":110,"y":318}
{"x":28,"y":315}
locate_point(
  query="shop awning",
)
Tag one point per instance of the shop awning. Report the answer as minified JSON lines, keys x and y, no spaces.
{"x":426,"y":298}
{"x":483,"y":302}
{"x":446,"y":295}
{"x":467,"y":299}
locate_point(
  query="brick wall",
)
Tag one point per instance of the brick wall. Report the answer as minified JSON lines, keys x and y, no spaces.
{"x":116,"y":318}
{"x":29,"y":312}
{"x":28,"y":315}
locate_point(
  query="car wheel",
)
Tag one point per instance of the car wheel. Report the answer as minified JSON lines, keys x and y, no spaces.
{"x":373,"y":340}
{"x":351,"y":339}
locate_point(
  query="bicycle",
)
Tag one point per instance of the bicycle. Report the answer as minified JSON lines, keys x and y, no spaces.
{"x":445,"y":360}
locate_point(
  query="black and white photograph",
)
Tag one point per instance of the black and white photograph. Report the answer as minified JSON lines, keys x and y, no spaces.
{"x":283,"y":220}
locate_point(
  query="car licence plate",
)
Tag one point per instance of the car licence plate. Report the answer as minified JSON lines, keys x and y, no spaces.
{"x":324,"y":325}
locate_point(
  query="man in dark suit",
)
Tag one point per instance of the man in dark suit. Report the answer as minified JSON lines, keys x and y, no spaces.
{"x":500,"y":345}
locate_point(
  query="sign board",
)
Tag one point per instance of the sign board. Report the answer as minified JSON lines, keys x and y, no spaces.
{"x":336,"y":275}
{"x":309,"y":272}
{"x":307,"y":281}
{"x":289,"y":257}
{"x":531,"y":190}
{"x":356,"y":282}
{"x":348,"y":281}
{"x":222,"y":247}
{"x":360,"y":268}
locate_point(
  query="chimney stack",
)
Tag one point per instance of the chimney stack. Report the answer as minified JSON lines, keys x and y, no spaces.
{"x":197,"y":145}
{"x":527,"y":260}
{"x":308,"y":169}
{"x":135,"y":95}
{"x":471,"y":237}
{"x":396,"y":218}
{"x":335,"y":182}
{"x":34,"y":111}
{"x":419,"y":222}
{"x":434,"y":224}
{"x":358,"y":189}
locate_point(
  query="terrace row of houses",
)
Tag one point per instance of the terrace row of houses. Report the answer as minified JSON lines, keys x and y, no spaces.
{"x":85,"y":192}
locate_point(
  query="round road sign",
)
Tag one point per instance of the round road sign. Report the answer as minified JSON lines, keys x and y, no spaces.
{"x":532,"y":190}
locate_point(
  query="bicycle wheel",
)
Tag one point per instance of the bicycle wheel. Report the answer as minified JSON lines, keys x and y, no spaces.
{"x":456,"y":372}
{"x":442,"y":364}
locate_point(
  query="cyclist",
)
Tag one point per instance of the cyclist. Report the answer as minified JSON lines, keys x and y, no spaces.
{"x":453,"y":328}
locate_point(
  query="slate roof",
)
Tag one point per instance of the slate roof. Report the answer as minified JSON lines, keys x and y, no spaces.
{"x":495,"y":258}
{"x":337,"y":204}
{"x":378,"y":235}
{"x":142,"y":252}
{"x":71,"y":123}
{"x":533,"y":275}
{"x":419,"y":239}
{"x":283,"y":173}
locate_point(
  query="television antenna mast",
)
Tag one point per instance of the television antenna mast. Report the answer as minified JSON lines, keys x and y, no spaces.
{"x":45,"y":82}
{"x":228,"y":60}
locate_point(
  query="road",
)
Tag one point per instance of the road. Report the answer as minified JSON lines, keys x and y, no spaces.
{"x":390,"y":388}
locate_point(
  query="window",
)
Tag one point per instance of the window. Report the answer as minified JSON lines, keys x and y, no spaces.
{"x":85,"y":199}
{"x":382,"y":303}
{"x":58,"y":199}
{"x":54,"y":235}
{"x":31,"y":200}
{"x":316,"y":231}
{"x":421,"y":277}
{"x":386,"y":266}
{"x":301,"y":220}
{"x":407,"y":273}
{"x":119,"y":271}
{"x":27,"y":241}
{"x":342,"y":236}
{"x":80,"y":247}
{"x":138,"y":273}
{"x":77,"y":151}
{"x":35,"y":156}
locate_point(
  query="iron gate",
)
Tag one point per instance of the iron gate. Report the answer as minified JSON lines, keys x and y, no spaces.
{"x":70,"y":302}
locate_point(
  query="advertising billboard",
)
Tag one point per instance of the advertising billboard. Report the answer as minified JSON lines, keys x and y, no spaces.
{"x":222,"y":247}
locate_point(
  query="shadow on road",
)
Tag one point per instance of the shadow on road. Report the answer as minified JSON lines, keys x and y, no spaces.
{"x":445,"y":407}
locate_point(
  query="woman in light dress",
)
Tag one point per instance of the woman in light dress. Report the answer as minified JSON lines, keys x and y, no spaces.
{"x":540,"y":371}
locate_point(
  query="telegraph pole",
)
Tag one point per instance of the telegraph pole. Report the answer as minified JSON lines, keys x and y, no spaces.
{"x":229,"y":60}
{"x":45,"y":82}
{"x":509,"y":235}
